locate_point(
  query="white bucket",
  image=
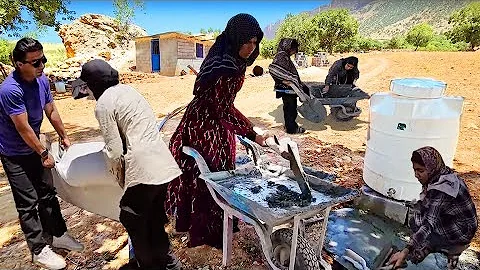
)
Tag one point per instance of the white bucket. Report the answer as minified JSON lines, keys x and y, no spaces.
{"x":60,"y":87}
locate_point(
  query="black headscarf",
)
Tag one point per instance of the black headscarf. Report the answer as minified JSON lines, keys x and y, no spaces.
{"x":352,"y":60}
{"x":99,"y":76}
{"x":223,"y":58}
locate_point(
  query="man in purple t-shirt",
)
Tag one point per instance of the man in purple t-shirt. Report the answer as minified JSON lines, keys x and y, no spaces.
{"x":24,"y":97}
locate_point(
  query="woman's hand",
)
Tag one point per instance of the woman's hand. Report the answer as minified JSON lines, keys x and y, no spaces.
{"x":325,"y":89}
{"x":261,"y":139}
{"x":399,"y":259}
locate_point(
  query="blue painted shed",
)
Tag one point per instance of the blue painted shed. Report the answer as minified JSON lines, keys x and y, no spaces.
{"x":171,"y":52}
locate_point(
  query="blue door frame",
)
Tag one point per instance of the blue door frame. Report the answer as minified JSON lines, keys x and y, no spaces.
{"x":155,"y":45}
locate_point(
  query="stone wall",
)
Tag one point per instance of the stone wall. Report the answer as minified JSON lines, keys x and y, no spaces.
{"x":143,"y":55}
{"x":186,"y":49}
{"x":168,"y":56}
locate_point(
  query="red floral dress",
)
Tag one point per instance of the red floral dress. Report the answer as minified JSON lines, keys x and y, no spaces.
{"x":209,"y":126}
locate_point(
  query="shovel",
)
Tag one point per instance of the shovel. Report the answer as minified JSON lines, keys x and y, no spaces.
{"x":311,"y":108}
{"x":298,"y":172}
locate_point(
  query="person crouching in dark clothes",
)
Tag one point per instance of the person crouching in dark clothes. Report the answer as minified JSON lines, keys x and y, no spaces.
{"x":343,"y":71}
{"x":282,"y":69}
{"x":444,"y":220}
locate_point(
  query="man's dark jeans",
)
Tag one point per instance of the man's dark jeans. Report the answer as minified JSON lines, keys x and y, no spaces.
{"x":35,"y":199}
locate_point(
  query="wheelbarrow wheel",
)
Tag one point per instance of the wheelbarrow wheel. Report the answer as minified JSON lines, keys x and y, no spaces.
{"x":340,"y":115}
{"x":306,"y":258}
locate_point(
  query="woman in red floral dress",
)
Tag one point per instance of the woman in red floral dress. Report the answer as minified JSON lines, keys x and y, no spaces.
{"x":209,"y":125}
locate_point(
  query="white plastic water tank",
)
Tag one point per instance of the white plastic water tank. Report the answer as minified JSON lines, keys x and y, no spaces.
{"x":414,"y":114}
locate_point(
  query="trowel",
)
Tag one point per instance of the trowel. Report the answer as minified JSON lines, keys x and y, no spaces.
{"x":290,"y":153}
{"x":297,"y":169}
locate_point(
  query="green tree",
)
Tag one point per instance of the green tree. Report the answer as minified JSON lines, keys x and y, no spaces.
{"x":303,"y":29}
{"x":466,"y":25}
{"x":420,"y":34}
{"x":203,"y":31}
{"x":334,"y":27}
{"x":397,"y":42}
{"x":268,"y":48}
{"x":368,"y":44}
{"x":216,"y":33}
{"x":6,"y":49}
{"x":43,"y":12}
{"x":124,"y":11}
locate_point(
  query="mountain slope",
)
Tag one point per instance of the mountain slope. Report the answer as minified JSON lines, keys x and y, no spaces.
{"x":383,"y":19}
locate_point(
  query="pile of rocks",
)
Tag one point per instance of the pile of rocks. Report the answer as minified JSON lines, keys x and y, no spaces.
{"x":95,"y":36}
{"x":132,"y":77}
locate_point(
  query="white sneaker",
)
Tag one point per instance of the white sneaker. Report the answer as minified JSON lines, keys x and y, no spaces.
{"x":49,"y":259}
{"x":67,"y":242}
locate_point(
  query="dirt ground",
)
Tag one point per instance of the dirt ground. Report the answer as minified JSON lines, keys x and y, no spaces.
{"x":331,"y":146}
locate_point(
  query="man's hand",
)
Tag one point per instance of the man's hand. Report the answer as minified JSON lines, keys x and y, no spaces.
{"x":48,"y":162}
{"x":399,"y":259}
{"x":65,"y":142}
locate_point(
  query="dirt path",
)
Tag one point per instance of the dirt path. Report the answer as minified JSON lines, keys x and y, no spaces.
{"x":333,"y":146}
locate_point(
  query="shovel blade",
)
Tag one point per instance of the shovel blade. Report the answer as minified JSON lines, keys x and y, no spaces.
{"x":313,"y":111}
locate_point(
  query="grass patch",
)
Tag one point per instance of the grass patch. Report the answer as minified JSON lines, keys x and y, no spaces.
{"x":55,"y":52}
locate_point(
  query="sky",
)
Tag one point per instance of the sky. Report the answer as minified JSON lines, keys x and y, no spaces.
{"x":188,"y":16}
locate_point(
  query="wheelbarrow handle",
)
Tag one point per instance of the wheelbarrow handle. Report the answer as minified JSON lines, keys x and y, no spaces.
{"x":251,"y":146}
{"x":202,"y":165}
{"x":170,"y":116}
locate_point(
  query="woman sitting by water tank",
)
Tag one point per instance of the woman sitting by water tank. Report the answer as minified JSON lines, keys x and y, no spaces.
{"x":444,"y":220}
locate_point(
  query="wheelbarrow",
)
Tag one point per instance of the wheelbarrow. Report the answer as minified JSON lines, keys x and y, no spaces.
{"x":279,"y":228}
{"x":342,"y":108}
{"x":81,"y":176}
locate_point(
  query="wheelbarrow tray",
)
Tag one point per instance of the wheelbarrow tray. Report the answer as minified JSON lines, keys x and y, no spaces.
{"x":339,"y":101}
{"x":234,"y":189}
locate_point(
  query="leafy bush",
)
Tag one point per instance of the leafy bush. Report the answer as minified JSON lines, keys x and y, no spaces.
{"x":442,"y":43}
{"x":368,"y":44}
{"x":6,"y":48}
{"x":268,"y":48}
{"x":359,"y":43}
{"x":466,"y":25}
{"x":349,"y":45}
{"x":420,"y":34}
{"x":55,"y":53}
{"x":396,"y":43}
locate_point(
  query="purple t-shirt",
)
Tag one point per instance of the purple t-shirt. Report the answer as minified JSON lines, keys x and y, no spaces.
{"x":16,"y":97}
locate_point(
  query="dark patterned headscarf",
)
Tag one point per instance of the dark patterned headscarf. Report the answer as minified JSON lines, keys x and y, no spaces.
{"x":223,"y":58}
{"x":352,"y":60}
{"x":433,"y":162}
{"x":282,"y":67}
{"x":282,"y":58}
